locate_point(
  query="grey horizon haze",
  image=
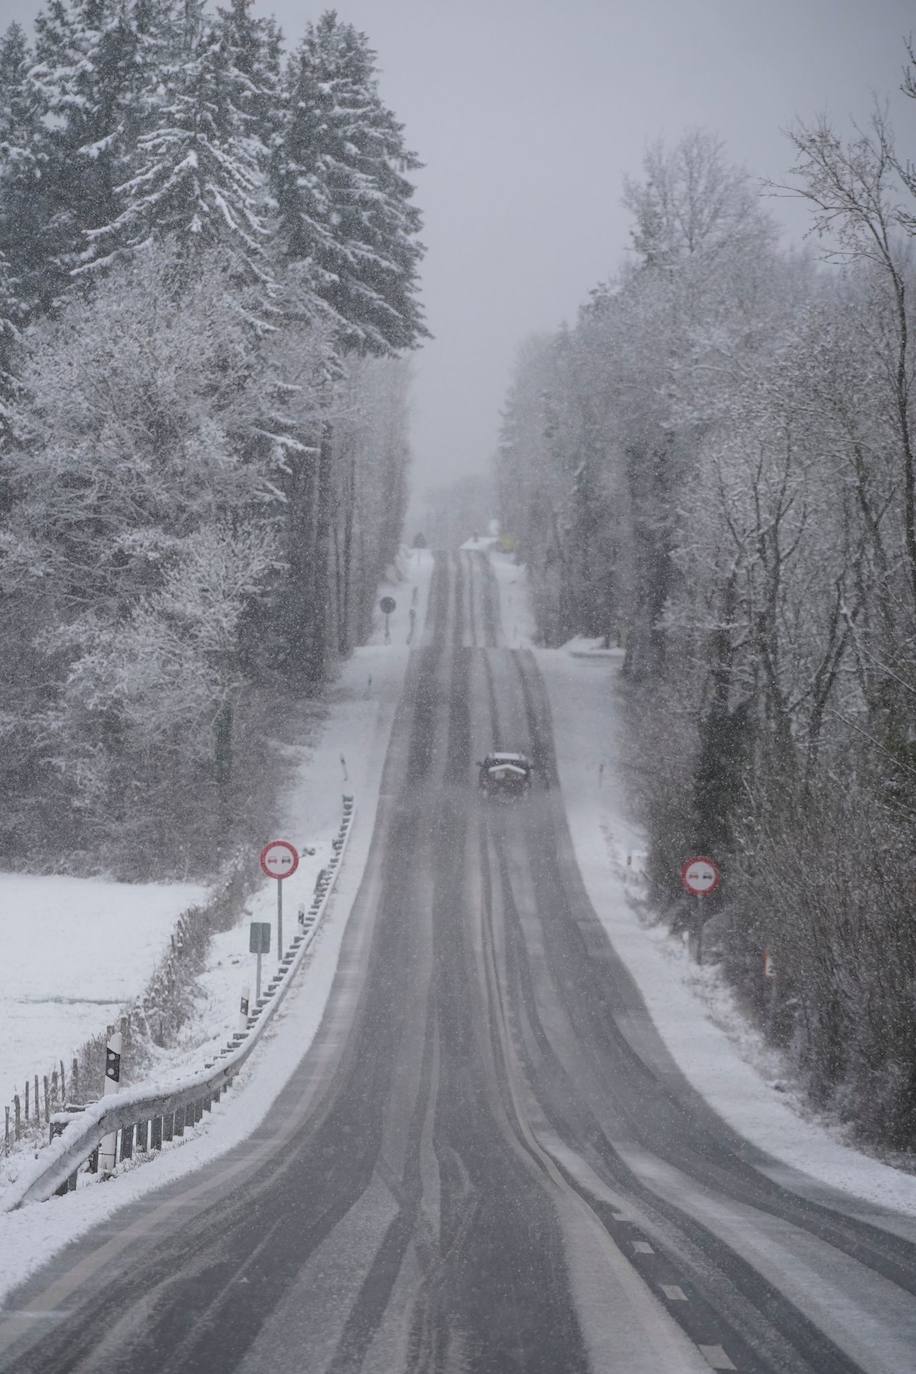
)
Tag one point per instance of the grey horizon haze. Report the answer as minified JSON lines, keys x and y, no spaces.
{"x":529,"y":113}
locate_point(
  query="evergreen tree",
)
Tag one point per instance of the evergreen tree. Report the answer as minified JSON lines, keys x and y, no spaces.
{"x":254,"y":45}
{"x":344,"y":203}
{"x":94,"y":59}
{"x":196,"y":173}
{"x":24,"y":180}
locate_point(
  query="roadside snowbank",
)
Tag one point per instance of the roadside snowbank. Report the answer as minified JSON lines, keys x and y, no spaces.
{"x":518,"y":624}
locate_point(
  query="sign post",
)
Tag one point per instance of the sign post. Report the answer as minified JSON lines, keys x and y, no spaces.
{"x":386,"y":606}
{"x":279,"y":860}
{"x":700,"y":877}
{"x":258,"y":943}
{"x":108,"y":1144}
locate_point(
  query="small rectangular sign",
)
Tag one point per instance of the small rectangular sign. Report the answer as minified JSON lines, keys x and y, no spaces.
{"x":259,"y":937}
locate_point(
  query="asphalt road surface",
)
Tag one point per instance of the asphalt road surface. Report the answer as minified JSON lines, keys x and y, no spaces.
{"x":487,"y":1162}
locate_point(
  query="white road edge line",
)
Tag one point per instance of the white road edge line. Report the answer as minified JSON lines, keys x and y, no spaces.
{"x":715,"y":1357}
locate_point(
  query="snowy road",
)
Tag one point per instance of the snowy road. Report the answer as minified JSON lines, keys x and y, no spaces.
{"x":488,"y":1162}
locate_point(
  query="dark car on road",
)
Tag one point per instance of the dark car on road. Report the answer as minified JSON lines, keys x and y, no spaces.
{"x":505,"y":775}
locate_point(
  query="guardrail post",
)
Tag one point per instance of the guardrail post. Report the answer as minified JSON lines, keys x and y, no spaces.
{"x":156,"y":1133}
{"x":180,"y":1114}
{"x":127,"y":1143}
{"x":57,"y":1125}
{"x":168,"y":1126}
{"x":142,"y":1136}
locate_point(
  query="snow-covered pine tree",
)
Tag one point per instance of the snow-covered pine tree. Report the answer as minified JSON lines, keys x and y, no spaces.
{"x":255,"y":48}
{"x":85,"y":56}
{"x":344,"y":202}
{"x":197,"y":169}
{"x":25,"y":210}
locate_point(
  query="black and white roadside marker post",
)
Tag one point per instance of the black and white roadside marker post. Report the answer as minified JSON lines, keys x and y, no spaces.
{"x":279,"y":860}
{"x":386,"y":606}
{"x":108,"y":1145}
{"x":244,"y":1007}
{"x":700,"y":877}
{"x":258,"y":943}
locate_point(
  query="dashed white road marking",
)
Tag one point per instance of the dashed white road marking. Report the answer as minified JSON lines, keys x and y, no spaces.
{"x":715,"y":1356}
{"x":642,"y":1247}
{"x":54,"y":1314}
{"x":673,"y":1293}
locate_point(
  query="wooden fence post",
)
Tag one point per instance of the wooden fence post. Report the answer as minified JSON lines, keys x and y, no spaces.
{"x":37,"y":1105}
{"x":17,"y":1109}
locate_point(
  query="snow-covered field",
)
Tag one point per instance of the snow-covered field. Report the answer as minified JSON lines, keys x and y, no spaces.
{"x":75,"y":950}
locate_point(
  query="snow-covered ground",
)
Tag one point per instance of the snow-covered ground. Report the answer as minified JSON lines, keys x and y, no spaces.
{"x":75,"y":951}
{"x":348,"y":756}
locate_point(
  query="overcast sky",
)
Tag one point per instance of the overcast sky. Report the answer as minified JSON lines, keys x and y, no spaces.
{"x":528,"y":113}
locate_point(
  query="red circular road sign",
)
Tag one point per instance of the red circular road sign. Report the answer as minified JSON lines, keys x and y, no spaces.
{"x":700,"y":876}
{"x":279,"y":859}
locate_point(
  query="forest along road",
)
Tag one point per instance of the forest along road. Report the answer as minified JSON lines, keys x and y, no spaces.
{"x":487,"y":1162}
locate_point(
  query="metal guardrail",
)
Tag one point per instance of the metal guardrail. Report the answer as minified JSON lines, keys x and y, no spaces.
{"x":149,"y":1116}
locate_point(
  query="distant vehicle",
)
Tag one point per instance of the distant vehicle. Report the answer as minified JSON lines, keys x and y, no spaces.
{"x":505,"y":775}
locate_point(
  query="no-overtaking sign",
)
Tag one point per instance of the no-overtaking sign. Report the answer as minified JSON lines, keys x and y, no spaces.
{"x":279,"y":859}
{"x":700,"y":876}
